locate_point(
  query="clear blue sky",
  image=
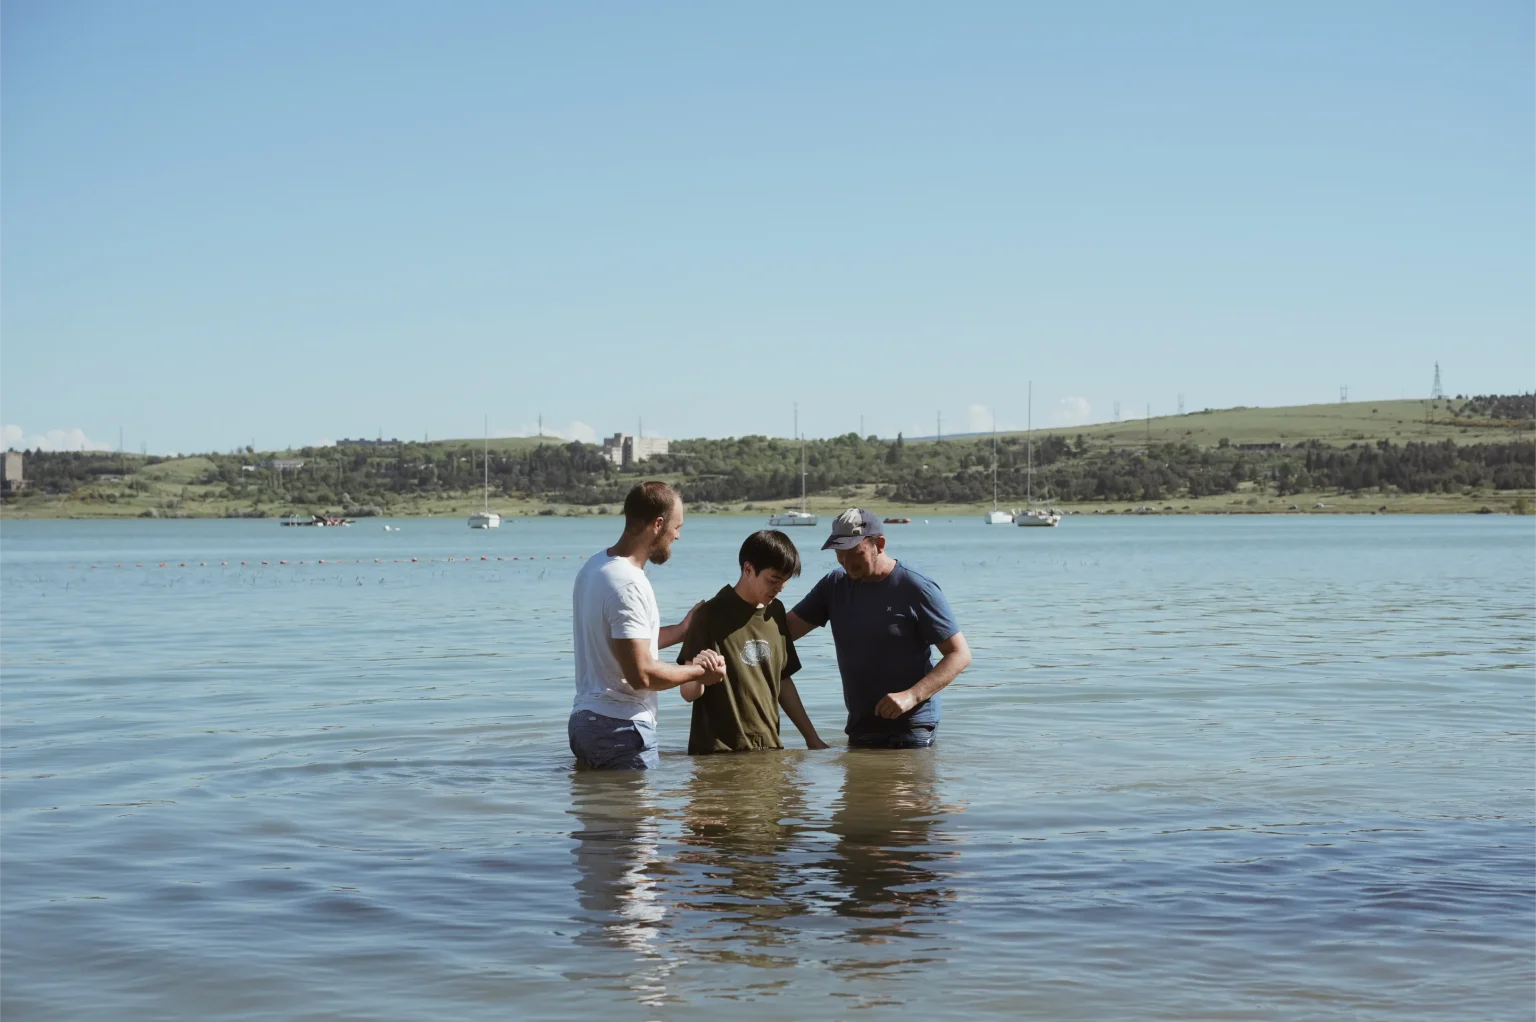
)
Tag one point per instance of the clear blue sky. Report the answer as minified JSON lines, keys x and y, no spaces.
{"x":304,"y":221}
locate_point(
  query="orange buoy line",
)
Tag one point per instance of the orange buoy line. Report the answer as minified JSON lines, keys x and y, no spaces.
{"x":377,"y":560}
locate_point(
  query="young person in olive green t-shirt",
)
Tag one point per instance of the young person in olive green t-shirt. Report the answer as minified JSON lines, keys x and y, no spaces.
{"x":746,"y":625}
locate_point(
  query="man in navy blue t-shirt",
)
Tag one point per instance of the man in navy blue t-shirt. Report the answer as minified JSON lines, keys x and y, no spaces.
{"x":885,"y":616}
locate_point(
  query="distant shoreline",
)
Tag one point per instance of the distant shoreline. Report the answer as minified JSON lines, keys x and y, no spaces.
{"x":1498,"y":502}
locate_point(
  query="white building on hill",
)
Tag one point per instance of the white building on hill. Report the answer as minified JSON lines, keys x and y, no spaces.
{"x":624,"y":449}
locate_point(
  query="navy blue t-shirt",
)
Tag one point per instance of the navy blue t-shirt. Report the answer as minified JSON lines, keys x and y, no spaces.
{"x":883,"y":632}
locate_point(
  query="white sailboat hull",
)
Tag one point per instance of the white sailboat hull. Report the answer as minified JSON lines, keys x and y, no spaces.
{"x":1036,"y":518}
{"x":792,"y":518}
{"x":998,"y":518}
{"x":485,"y":520}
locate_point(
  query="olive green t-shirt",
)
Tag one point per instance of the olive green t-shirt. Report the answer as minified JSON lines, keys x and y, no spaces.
{"x":741,"y":713}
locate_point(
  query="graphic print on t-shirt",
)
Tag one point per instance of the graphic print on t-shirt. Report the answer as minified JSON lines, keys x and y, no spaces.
{"x":756,"y":652}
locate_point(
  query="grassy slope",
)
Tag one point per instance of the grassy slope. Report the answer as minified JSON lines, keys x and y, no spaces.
{"x":507,"y":443}
{"x":1336,"y":424}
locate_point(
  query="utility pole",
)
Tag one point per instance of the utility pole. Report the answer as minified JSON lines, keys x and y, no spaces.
{"x":541,"y":424}
{"x":1181,"y":404}
{"x":1117,"y":411}
{"x":938,"y":427}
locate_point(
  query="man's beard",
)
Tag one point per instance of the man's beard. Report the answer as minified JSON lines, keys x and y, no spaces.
{"x":660,"y":554}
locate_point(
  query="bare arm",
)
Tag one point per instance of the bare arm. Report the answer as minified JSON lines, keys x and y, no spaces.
{"x":671,"y":635}
{"x":789,"y":699}
{"x":798,"y":626}
{"x":956,"y":658}
{"x":647,"y":674}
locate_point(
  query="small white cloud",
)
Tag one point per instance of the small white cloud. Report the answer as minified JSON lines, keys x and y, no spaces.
{"x":1071,"y":411}
{"x":50,"y":440}
{"x":978,"y":419}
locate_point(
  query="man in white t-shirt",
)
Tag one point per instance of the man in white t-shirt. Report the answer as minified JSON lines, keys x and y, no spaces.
{"x":618,"y":639}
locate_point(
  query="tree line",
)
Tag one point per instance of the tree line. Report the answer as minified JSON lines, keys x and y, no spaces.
{"x":756,"y":468}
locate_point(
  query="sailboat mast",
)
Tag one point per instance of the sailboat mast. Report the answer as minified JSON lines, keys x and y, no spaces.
{"x":802,"y":475}
{"x":1029,"y":443}
{"x":487,"y":459}
{"x":994,"y":463}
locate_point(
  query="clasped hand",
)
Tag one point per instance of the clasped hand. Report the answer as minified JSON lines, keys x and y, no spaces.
{"x":713,"y":664}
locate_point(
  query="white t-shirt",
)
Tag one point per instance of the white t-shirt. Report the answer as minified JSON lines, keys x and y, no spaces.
{"x":612,"y":600}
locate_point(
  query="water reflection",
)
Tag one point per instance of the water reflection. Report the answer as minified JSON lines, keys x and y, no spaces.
{"x":618,"y":844}
{"x":752,"y":858}
{"x":888,"y":864}
{"x":745,"y":823}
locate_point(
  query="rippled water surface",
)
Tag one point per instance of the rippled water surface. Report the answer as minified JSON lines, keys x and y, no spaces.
{"x":1225,"y":768}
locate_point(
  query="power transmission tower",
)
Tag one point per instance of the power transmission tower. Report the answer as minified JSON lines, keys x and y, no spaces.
{"x":1437,"y":393}
{"x":1181,"y":404}
{"x":1343,"y":393}
{"x":1117,"y":411}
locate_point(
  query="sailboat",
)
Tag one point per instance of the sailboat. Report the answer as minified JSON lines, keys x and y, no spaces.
{"x":996,"y":517}
{"x":486,"y":518}
{"x":1032,"y":515}
{"x":801,"y":517}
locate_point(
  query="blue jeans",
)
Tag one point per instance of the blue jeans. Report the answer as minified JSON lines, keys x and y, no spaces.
{"x":612,"y":743}
{"x":914,"y":736}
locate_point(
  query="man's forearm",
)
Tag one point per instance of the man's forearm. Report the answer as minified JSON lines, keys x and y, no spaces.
{"x":945,"y":671}
{"x":660,"y":676}
{"x":671,"y":635}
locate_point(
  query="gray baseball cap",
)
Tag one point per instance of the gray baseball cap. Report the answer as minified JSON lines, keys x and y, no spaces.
{"x":851,"y":528}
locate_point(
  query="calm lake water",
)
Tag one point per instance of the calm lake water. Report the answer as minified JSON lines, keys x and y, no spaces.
{"x":1202,"y":768}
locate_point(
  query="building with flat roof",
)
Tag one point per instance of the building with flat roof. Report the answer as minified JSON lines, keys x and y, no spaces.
{"x":626,"y":450}
{"x":12,"y":478}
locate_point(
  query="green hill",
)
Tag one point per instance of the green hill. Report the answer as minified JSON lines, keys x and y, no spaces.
{"x":501,"y":445}
{"x":1335,"y":424}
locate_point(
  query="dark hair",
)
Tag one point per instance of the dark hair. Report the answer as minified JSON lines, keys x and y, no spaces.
{"x":648,"y":502}
{"x":770,"y":550}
